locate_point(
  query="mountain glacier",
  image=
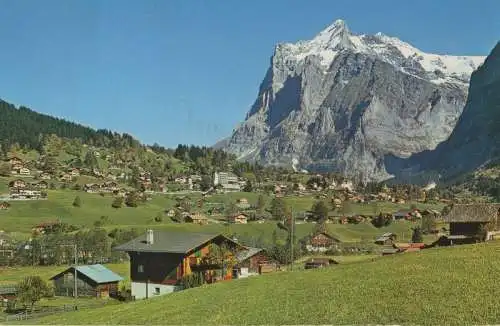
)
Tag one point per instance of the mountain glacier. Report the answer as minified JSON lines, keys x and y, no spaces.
{"x":343,"y":102}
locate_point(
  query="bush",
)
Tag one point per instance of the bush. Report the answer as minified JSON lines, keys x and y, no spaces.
{"x":117,"y":202}
{"x":381,"y":220}
{"x":77,"y":202}
{"x":131,"y":200}
{"x":159,"y":218}
{"x":193,"y":280}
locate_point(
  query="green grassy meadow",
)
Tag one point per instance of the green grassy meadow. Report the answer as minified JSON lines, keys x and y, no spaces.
{"x":22,"y":216}
{"x":446,"y":286}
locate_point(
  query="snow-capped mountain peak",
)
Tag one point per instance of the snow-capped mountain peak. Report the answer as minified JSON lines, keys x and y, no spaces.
{"x":346,"y":102}
{"x":337,"y":37}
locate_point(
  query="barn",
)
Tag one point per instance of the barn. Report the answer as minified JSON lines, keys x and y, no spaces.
{"x":92,"y":281}
{"x":254,"y":261}
{"x":470,"y":220}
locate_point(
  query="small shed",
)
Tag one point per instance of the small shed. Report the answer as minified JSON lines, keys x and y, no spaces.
{"x":92,"y":281}
{"x":319,"y":263}
{"x":254,"y":261}
{"x":386,"y":239}
{"x":390,"y":251}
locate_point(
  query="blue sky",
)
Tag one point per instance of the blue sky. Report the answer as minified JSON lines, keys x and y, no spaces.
{"x":187,"y":71}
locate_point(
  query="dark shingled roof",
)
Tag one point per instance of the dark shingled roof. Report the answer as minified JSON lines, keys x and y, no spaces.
{"x":473,"y":213}
{"x":169,"y":242}
{"x":245,"y":254}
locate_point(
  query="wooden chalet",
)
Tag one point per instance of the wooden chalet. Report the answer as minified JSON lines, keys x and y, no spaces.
{"x":239,"y":218}
{"x":4,"y":205}
{"x":65,"y":177}
{"x":74,"y":172}
{"x":92,"y":281}
{"x":41,"y":185}
{"x":321,"y":242}
{"x":159,"y":261}
{"x":319,"y":263}
{"x":386,"y":239}
{"x":45,"y":176}
{"x":8,"y":292}
{"x":196,"y":218}
{"x":15,"y":160}
{"x":409,"y":247}
{"x":7,"y":247}
{"x":17,"y":184}
{"x":253,"y":261}
{"x":402,"y":215}
{"x":47,"y":227}
{"x":243,"y":203}
{"x":467,"y":221}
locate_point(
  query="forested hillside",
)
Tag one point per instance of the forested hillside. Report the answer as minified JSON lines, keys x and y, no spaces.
{"x":25,"y":127}
{"x":54,"y":145}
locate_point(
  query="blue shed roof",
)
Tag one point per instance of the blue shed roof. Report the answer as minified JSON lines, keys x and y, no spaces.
{"x":98,"y":273}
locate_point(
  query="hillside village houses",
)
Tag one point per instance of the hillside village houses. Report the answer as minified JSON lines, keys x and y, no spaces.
{"x":20,"y":189}
{"x":18,"y":167}
{"x":110,"y":186}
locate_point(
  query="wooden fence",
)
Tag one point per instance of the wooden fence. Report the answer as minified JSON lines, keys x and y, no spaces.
{"x":43,"y":311}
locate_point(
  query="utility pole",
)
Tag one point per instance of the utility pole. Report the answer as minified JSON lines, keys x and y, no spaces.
{"x":292,"y":226}
{"x":75,"y":292}
{"x":75,"y":286}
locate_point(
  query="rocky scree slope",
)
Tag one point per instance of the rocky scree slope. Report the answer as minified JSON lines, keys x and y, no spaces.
{"x":342,"y":102}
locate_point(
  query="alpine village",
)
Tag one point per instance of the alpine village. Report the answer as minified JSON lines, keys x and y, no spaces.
{"x":97,"y":227}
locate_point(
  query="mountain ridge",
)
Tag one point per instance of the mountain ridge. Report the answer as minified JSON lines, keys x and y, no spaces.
{"x":342,"y":101}
{"x":474,"y":141}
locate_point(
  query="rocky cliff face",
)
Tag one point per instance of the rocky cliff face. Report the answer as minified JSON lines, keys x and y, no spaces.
{"x":475,"y":141}
{"x":342,"y":102}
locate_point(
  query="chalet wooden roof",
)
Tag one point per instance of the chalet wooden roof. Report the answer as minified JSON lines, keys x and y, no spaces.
{"x":98,"y":273}
{"x":245,"y":254}
{"x":171,"y":242}
{"x":329,"y":236}
{"x":197,"y":217}
{"x":473,"y":213}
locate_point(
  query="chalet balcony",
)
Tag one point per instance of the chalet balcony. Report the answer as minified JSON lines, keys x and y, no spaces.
{"x":203,"y":264}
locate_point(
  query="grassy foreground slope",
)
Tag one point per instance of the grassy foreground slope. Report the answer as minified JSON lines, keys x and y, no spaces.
{"x":436,"y":286}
